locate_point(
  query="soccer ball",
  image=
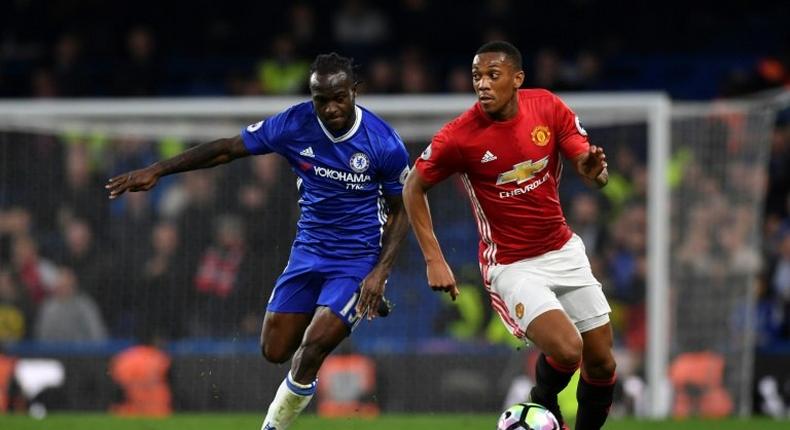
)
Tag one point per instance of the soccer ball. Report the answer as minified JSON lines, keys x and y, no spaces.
{"x":527,"y":416}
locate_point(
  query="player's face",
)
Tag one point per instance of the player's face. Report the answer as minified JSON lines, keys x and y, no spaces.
{"x":496,"y":81}
{"x":333,"y":99}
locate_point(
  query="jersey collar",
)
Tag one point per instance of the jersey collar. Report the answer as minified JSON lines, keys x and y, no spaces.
{"x":349,"y":133}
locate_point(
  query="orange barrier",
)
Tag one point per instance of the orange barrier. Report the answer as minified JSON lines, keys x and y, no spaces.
{"x":6,"y":373}
{"x":141,"y":371}
{"x":697,"y":381}
{"x":346,"y":384}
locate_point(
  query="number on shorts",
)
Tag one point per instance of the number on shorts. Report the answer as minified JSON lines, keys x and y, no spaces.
{"x":351,"y":302}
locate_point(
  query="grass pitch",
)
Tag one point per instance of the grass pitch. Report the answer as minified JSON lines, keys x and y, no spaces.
{"x":81,"y":421}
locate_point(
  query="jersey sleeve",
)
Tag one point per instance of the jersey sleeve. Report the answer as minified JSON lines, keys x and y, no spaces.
{"x":572,"y":137}
{"x":266,"y":136}
{"x":440,"y":159}
{"x":395,"y":167}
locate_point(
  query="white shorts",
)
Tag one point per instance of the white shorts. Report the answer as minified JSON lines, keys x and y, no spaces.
{"x":560,"y":279}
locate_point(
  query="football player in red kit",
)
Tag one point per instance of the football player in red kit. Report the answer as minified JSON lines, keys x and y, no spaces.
{"x":508,"y":150}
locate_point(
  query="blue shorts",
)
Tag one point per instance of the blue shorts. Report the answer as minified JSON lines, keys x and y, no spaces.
{"x":310,"y":280}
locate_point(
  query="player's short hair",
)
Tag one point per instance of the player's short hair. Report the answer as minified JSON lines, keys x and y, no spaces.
{"x":511,"y":52}
{"x":327,"y":64}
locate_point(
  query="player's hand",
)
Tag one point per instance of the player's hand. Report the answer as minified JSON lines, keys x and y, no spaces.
{"x":440,"y":278}
{"x":136,"y":180}
{"x":594,"y":163}
{"x":370,"y":294}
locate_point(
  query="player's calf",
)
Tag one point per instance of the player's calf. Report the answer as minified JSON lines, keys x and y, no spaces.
{"x":551,"y":378}
{"x":289,"y":401}
{"x":595,"y":399}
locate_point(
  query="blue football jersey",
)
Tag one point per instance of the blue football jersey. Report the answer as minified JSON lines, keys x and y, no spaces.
{"x":341,"y":180}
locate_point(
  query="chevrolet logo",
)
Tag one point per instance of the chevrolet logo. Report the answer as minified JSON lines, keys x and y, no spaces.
{"x":523,"y":171}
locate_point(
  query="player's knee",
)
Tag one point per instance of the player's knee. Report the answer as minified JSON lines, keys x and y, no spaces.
{"x":568,"y":353}
{"x":274,"y":354}
{"x":602,"y":367}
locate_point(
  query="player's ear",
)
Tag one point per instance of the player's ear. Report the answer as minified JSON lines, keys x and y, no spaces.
{"x":518,"y":79}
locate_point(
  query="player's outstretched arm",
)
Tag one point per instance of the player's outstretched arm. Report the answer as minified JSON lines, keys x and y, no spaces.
{"x":440,"y":276}
{"x":395,"y":231}
{"x":200,"y":157}
{"x":591,"y":166}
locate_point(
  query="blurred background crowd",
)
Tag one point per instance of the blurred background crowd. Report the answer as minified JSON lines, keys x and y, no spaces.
{"x":197,"y":256}
{"x":693,"y":50}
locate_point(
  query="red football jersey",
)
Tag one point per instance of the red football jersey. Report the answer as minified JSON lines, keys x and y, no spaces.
{"x":511,"y":171}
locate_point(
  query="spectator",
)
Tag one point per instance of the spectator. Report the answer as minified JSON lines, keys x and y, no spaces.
{"x":780,"y":275}
{"x":69,"y":315}
{"x":779,"y":168}
{"x":15,"y":221}
{"x":283,"y":72}
{"x":417,"y":16}
{"x":359,"y":29}
{"x":36,"y":273}
{"x":139,"y":73}
{"x":81,"y":253}
{"x":32,"y":162}
{"x":586,"y":73}
{"x":414,"y":73}
{"x":743,"y":257}
{"x":82,"y":189}
{"x":382,"y":77}
{"x":162,"y":285}
{"x":128,"y":232}
{"x":70,"y":73}
{"x":220,"y":281}
{"x":43,"y":84}
{"x":497,"y":15}
{"x":584,"y":219}
{"x":549,"y":71}
{"x":303,"y":26}
{"x":15,"y":310}
{"x":194,"y":217}
{"x":458,"y":80}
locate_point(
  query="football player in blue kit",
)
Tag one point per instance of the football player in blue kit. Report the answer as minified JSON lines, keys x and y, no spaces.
{"x":350,"y":168}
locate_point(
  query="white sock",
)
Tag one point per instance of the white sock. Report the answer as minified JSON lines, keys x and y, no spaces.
{"x":291,"y":398}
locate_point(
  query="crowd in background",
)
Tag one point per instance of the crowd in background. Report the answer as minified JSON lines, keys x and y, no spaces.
{"x":774,"y":286}
{"x":198,"y":255}
{"x":146,"y":48}
{"x":195,"y":257}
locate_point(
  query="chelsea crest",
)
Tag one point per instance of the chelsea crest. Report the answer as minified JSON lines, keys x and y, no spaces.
{"x":359,"y":162}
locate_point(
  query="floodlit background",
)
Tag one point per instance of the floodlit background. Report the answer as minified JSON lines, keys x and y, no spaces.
{"x":691,"y":238}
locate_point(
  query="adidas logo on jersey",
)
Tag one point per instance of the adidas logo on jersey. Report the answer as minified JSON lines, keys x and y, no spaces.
{"x":308,"y":152}
{"x":488,"y":156}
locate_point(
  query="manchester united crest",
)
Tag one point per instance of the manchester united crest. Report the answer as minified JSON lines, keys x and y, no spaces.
{"x":541,"y":135}
{"x":519,"y":310}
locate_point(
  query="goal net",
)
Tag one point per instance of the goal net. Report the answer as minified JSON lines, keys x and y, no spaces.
{"x":718,"y":180}
{"x":674,"y":238}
